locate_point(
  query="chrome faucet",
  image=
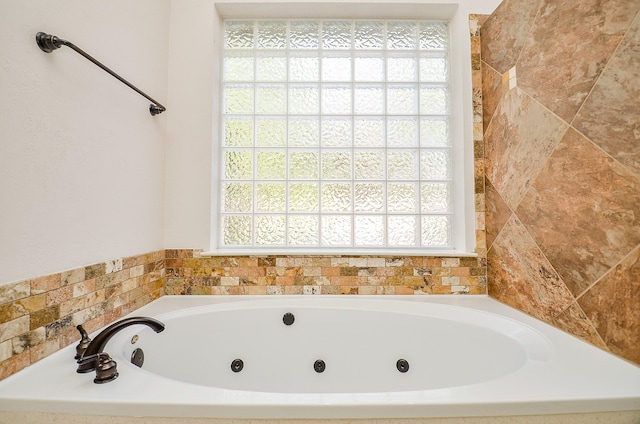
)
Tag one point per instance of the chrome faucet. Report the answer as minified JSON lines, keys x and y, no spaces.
{"x":93,"y":357}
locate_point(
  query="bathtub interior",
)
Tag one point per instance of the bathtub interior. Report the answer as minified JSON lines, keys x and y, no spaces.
{"x":359,"y":349}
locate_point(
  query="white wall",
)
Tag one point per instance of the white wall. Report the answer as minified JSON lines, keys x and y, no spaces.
{"x":195,"y":38}
{"x":81,"y":158}
{"x":83,"y":176}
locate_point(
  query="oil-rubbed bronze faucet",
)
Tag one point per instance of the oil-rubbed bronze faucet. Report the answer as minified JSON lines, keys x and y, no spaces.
{"x":90,"y":353}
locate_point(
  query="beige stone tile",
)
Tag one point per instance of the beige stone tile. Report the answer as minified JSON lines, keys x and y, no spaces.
{"x":519,"y":140}
{"x":610,"y":117}
{"x":497,"y":213}
{"x":72,"y":276}
{"x":503,"y":34}
{"x":613,"y":305}
{"x":14,"y":291}
{"x":583,"y":210}
{"x":13,"y":328}
{"x":520,"y":275}
{"x":492,"y":93}
{"x":574,"y":321}
{"x":45,"y":283}
{"x":569,"y":45}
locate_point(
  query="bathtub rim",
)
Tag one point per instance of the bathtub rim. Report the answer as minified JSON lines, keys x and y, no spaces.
{"x":438,"y":406}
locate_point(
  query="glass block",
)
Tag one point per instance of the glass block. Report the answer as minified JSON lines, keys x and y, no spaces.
{"x":433,"y":101}
{"x":304,"y":34}
{"x":238,"y":99}
{"x":434,"y":133}
{"x":237,"y":230}
{"x":336,"y":230}
{"x":336,"y":165}
{"x":402,"y":100}
{"x":368,"y":132}
{"x":303,"y":230}
{"x":271,"y":100}
{"x":435,"y":197}
{"x":401,"y":69}
{"x":303,"y":197}
{"x":238,"y":165}
{"x":436,"y":231}
{"x":304,"y":132}
{"x":270,"y":230}
{"x":271,"y":165}
{"x":402,"y":231}
{"x":401,"y":35}
{"x":271,"y":132}
{"x":272,"y":35}
{"x":271,"y":197}
{"x":303,"y":165}
{"x":401,"y":197}
{"x":304,"y":99}
{"x":369,"y":165}
{"x":336,"y":68}
{"x":238,"y":35}
{"x":336,"y":197}
{"x":271,"y":67}
{"x":401,"y":165}
{"x":402,"y":132}
{"x":369,"y":197}
{"x":238,"y":133}
{"x":238,"y":197}
{"x":336,"y":35}
{"x":433,"y":69}
{"x":369,"y":35}
{"x":369,"y":230}
{"x":369,"y":100}
{"x":336,"y":99}
{"x":434,"y":164}
{"x":336,"y":132}
{"x":368,"y":69}
{"x":238,"y":68}
{"x":303,"y":68}
{"x":434,"y":36}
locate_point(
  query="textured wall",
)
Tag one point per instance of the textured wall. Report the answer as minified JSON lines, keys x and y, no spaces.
{"x":81,"y":177}
{"x":562,"y":150}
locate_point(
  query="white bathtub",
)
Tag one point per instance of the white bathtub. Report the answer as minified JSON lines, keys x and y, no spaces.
{"x":465,"y":356}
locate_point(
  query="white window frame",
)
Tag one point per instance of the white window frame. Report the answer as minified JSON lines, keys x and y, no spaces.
{"x":461,"y":120}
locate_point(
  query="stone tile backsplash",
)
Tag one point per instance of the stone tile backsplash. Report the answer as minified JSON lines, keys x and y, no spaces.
{"x":38,"y":316}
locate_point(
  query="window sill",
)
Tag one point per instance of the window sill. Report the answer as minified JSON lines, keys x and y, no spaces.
{"x":341,"y":252}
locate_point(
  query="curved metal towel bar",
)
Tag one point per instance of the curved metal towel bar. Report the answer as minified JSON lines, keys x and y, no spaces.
{"x":49,"y":43}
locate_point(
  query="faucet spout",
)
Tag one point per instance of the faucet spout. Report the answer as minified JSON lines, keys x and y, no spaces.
{"x":98,"y":344}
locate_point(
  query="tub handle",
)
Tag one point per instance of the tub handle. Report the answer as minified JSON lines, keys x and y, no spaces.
{"x":84,"y":342}
{"x":105,"y":366}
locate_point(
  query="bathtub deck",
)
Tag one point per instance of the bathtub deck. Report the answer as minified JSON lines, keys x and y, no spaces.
{"x":577,"y":379}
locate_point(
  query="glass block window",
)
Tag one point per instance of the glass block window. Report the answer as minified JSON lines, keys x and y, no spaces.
{"x":335,"y":134}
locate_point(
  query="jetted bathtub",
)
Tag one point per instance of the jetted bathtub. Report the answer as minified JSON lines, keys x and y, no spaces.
{"x":334,"y":357}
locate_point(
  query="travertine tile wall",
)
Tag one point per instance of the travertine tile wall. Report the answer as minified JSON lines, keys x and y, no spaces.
{"x":38,"y":316}
{"x":188,"y":272}
{"x":561,"y":96}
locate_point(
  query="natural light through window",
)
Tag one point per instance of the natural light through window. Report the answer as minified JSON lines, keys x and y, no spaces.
{"x":336,"y":135}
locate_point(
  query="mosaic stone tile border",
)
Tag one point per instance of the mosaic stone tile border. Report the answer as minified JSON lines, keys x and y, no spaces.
{"x":188,"y":272}
{"x":38,"y":316}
